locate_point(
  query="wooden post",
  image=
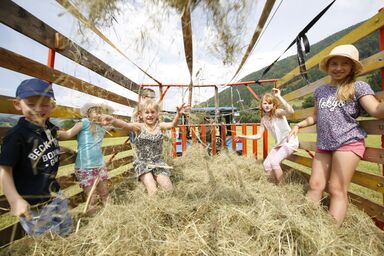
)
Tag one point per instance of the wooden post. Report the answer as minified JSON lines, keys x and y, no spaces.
{"x":254,"y":142}
{"x":244,"y":131}
{"x":265,"y":144}
{"x":203,"y":138}
{"x":233,"y":132}
{"x":213,"y":139}
{"x":183,"y":139}
{"x":193,"y":134}
{"x":173,"y":131}
{"x":223,"y":137}
{"x":381,"y":31}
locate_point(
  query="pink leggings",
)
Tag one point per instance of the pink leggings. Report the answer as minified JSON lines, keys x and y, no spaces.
{"x":276,"y":156}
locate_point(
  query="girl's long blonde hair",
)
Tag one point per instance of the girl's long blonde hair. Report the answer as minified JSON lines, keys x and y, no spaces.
{"x":346,"y":89}
{"x":270,"y":99}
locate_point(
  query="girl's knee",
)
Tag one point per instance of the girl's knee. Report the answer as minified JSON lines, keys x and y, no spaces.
{"x":337,"y":190}
{"x":317,"y":185}
{"x":267,"y":166}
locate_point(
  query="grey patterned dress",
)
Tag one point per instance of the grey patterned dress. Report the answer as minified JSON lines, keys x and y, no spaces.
{"x":149,"y":149}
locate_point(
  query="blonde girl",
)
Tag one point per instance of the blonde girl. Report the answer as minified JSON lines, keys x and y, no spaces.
{"x":149,"y":166}
{"x":89,"y":160}
{"x":274,"y":119}
{"x":340,"y":138}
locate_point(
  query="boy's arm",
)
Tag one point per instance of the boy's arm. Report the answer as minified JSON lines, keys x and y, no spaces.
{"x":72,"y":132}
{"x":19,"y":206}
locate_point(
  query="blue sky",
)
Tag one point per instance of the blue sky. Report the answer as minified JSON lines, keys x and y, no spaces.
{"x":161,"y":51}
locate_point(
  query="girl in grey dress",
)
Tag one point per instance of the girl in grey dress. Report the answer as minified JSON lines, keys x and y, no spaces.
{"x":150,"y":168}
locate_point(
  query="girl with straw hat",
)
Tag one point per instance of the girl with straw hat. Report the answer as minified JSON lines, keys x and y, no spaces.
{"x":340,"y":138}
{"x":90,"y":166}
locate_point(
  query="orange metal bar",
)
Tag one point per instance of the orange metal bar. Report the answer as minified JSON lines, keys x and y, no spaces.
{"x":203,"y":138}
{"x":244,"y":131}
{"x":173,"y":131}
{"x":213,"y":140}
{"x":163,"y":93}
{"x":51,"y":58}
{"x":193,"y":134}
{"x":233,"y":132}
{"x":265,"y":144}
{"x":254,"y":142}
{"x":252,"y":92}
{"x":223,"y":137}
{"x":183,"y":139}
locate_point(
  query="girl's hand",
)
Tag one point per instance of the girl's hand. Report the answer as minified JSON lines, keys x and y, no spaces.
{"x":183,"y":109}
{"x":276,"y":92}
{"x":294,"y":131}
{"x":106,"y":119}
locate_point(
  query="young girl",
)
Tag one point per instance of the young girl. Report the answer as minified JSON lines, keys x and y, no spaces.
{"x":149,"y":166}
{"x":274,"y":119}
{"x":89,"y":161}
{"x":340,"y":138}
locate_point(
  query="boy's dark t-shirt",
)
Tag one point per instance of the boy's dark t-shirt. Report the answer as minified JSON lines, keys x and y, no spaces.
{"x":33,"y":154}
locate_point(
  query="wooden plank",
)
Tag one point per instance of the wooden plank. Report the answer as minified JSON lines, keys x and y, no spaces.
{"x":374,"y":155}
{"x":372,"y":209}
{"x":365,"y":179}
{"x":24,"y":22}
{"x":373,"y":126}
{"x":370,"y":64}
{"x":358,"y":33}
{"x":21,"y":64}
{"x":302,"y":114}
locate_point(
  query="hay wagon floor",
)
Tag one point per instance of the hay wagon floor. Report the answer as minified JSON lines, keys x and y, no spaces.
{"x":221,"y":206}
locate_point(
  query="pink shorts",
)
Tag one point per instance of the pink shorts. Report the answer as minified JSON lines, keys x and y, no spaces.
{"x":87,"y":176}
{"x":357,"y":147}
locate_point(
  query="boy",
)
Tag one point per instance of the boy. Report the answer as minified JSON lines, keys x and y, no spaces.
{"x":29,"y":161}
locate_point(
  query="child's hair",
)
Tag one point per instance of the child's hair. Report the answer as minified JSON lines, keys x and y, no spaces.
{"x":148,"y":104}
{"x":345,"y":89}
{"x":145,"y":92}
{"x":270,"y":99}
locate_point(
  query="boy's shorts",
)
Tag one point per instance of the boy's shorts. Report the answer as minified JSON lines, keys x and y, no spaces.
{"x":357,"y":147}
{"x":87,"y":176}
{"x":53,"y":217}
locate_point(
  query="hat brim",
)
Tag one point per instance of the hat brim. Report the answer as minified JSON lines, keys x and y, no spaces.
{"x":84,"y":109}
{"x":323,"y":63}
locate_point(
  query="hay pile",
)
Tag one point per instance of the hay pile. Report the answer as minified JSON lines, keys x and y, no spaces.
{"x":222,"y":206}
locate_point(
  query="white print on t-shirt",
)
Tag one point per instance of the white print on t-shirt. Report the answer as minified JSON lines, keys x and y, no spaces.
{"x":330,"y":103}
{"x":39,"y":152}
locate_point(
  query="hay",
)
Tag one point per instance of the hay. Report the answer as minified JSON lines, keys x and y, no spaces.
{"x":221,"y":206}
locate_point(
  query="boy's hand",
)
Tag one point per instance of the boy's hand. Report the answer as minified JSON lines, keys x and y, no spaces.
{"x":183,"y":109}
{"x":276,"y":92}
{"x":21,"y":208}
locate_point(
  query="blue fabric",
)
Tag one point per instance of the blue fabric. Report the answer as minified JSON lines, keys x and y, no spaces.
{"x":89,"y":154}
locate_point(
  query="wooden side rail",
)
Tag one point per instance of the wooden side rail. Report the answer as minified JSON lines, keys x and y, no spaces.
{"x":24,"y":22}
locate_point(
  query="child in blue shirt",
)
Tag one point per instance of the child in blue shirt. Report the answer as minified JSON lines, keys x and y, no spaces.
{"x":89,"y":161}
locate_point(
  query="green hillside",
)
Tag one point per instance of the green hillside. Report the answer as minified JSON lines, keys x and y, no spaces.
{"x":367,"y":47}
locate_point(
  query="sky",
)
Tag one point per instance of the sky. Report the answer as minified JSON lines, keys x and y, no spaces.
{"x":154,"y":42}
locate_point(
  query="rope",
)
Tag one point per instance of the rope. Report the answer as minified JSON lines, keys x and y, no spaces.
{"x":75,"y":12}
{"x":298,"y":37}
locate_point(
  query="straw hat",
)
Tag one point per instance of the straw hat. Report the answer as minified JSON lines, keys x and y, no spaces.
{"x":96,"y":103}
{"x":346,"y":50}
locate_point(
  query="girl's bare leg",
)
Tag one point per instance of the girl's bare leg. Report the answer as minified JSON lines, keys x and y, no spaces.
{"x":102,"y":190}
{"x":149,"y":183}
{"x":165,"y":182}
{"x":344,"y":164}
{"x":321,"y":167}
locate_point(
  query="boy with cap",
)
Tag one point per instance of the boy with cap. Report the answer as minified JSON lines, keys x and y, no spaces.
{"x":29,"y":161}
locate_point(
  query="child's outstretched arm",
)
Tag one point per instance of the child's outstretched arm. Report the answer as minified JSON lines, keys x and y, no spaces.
{"x":110,"y":120}
{"x":180,"y":110}
{"x":72,"y":132}
{"x":311,"y":120}
{"x":19,"y":206}
{"x":288,"y":110}
{"x":373,"y":107}
{"x":252,"y":137}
